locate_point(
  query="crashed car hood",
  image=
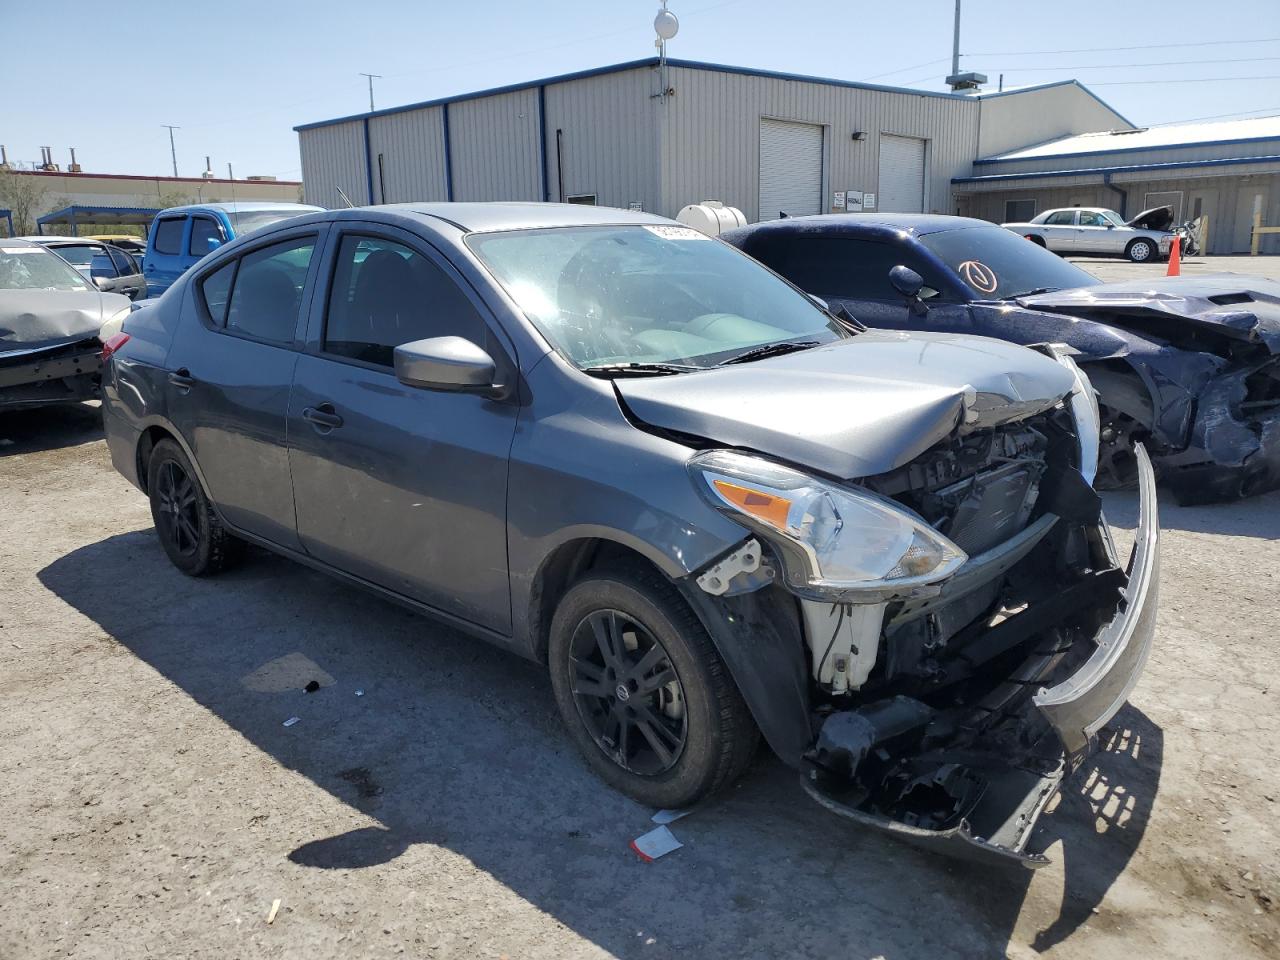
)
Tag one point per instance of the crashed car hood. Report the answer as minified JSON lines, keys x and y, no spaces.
{"x":856,"y":407}
{"x":1240,"y":307}
{"x":31,"y":319}
{"x":1157,"y":218}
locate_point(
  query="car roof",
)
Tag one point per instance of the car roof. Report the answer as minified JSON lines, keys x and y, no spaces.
{"x":917,"y":224}
{"x":243,"y":206}
{"x":510,"y":215}
{"x":1086,"y":209}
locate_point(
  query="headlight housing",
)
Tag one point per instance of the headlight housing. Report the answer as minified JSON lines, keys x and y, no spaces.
{"x":113,"y":324}
{"x":832,"y":540}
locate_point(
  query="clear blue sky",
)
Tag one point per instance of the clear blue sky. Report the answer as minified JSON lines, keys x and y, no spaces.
{"x":237,"y":76}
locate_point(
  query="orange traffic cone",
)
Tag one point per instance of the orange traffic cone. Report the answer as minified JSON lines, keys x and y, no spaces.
{"x":1175,"y":260}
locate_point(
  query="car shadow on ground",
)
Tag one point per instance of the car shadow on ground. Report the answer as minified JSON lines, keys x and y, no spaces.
{"x":1252,"y":517}
{"x":49,"y":428}
{"x":455,"y":744}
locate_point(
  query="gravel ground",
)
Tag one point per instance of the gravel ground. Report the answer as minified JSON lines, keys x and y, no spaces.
{"x":427,"y":804}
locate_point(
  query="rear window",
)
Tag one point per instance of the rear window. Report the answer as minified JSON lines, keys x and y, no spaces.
{"x":169,"y":235}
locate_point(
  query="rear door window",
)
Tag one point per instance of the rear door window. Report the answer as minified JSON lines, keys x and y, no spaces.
{"x":169,"y":235}
{"x":385,"y":294}
{"x":266,"y":294}
{"x":125,"y":264}
{"x":203,"y":229}
{"x":1063,"y":218}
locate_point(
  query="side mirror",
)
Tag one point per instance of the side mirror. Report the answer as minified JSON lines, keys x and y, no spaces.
{"x":102,"y":283}
{"x":214,"y":243}
{"x":906,"y":281}
{"x":447,"y":363}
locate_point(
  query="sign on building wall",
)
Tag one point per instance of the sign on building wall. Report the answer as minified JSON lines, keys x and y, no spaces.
{"x":853,"y":201}
{"x":837,"y":200}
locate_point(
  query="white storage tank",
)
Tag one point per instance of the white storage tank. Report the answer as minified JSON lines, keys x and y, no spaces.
{"x":711,"y":217}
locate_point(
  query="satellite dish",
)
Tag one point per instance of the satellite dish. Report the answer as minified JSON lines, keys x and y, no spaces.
{"x":666,"y":24}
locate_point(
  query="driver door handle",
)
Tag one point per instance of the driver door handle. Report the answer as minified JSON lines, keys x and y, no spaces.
{"x":324,"y":417}
{"x":182,"y":379}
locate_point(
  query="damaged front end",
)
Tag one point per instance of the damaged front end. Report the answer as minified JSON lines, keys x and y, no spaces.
{"x":946,"y":701}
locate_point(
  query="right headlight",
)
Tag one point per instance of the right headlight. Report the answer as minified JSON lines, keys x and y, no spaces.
{"x":832,"y":540}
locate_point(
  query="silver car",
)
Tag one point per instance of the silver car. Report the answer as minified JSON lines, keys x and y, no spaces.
{"x":608,"y":443}
{"x":1099,"y":231}
{"x":107,"y":267}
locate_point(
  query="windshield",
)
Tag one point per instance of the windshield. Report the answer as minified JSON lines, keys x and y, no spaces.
{"x":248,"y":221}
{"x":35,"y":268}
{"x":648,"y":294}
{"x":79,"y":255}
{"x":997,"y":264}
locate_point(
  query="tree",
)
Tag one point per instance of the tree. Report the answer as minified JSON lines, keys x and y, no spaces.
{"x":25,"y":196}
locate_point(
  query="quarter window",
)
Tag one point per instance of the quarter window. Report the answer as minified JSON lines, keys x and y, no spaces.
{"x":169,"y":235}
{"x":216,"y":291}
{"x":203,"y":229}
{"x":384,"y":294}
{"x":266,"y":294}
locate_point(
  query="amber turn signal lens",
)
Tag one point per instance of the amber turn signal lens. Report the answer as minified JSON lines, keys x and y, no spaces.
{"x":764,"y":506}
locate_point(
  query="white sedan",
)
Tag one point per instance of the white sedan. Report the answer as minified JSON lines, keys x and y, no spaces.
{"x":1096,"y":230}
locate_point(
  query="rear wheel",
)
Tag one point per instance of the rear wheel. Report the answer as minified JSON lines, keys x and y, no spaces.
{"x":643,"y":692}
{"x":1140,"y":250}
{"x":189,"y":529}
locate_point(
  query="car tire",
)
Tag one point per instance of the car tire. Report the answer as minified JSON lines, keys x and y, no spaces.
{"x":697,"y":716}
{"x":188,"y":527}
{"x":1140,"y":251}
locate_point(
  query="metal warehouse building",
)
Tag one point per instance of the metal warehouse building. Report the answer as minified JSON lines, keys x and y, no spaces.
{"x":1226,"y":171}
{"x":643,"y":135}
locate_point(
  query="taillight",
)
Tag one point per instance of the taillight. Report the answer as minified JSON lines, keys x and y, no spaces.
{"x":114,"y":343}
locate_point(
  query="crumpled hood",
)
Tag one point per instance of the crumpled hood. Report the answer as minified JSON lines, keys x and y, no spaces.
{"x":31,"y":319}
{"x":856,"y":407}
{"x":1240,"y":307}
{"x":1157,"y":218}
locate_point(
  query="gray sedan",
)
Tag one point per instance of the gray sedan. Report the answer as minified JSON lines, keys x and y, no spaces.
{"x":107,"y":267}
{"x":605,"y":442}
{"x":1098,"y":231}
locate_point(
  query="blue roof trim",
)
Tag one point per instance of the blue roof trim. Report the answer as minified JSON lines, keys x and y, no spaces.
{"x":1158,"y":146}
{"x":697,"y":65}
{"x":1131,"y":168}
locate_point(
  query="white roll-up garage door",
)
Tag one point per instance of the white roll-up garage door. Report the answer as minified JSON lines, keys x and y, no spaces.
{"x":901,"y":174}
{"x":790,"y":169}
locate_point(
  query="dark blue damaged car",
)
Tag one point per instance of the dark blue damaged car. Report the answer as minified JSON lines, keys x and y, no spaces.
{"x":1187,"y":366}
{"x":605,"y":442}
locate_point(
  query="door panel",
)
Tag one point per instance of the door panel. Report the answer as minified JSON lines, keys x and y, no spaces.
{"x":401,"y":486}
{"x":409,"y":491}
{"x":229,"y":394}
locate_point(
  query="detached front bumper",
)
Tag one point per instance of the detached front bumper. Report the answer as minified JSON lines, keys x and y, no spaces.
{"x":998,"y":788}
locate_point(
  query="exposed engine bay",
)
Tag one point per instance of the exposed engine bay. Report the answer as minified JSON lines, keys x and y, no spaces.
{"x":932,"y":711}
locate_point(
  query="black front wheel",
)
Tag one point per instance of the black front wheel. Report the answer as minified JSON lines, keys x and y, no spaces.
{"x":643,"y":692}
{"x":186,"y":523}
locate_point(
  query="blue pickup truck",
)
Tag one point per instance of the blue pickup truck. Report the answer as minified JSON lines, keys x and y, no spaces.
{"x":180,"y":236}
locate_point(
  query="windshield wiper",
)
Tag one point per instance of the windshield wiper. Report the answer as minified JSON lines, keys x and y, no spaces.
{"x":771,"y":350}
{"x":637,"y":369}
{"x":1031,"y":293}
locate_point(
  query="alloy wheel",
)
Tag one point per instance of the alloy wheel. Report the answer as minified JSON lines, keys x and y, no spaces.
{"x":627,"y":692}
{"x":1117,"y":463}
{"x":177,"y":508}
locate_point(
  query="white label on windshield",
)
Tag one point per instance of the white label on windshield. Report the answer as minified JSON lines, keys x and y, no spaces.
{"x":20,"y":249}
{"x":675,"y":233}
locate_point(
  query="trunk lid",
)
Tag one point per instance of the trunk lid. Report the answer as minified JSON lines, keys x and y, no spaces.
{"x":856,"y":407}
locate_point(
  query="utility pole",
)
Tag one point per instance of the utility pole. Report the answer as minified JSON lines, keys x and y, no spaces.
{"x":372,"y":77}
{"x":961,"y":81}
{"x":955,"y":44}
{"x":172,"y":150}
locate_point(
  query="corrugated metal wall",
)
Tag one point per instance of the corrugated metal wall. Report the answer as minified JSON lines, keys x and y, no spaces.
{"x":608,"y":139}
{"x":1131,"y":157}
{"x":494,"y":142}
{"x":710,"y":127}
{"x":412,"y":149}
{"x":1025,"y":117}
{"x":334,"y":157}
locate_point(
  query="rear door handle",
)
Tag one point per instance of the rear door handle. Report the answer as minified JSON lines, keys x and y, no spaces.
{"x":324,"y":418}
{"x":182,"y":379}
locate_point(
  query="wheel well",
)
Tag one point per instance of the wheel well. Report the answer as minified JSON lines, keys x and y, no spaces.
{"x":562,"y":569}
{"x":1122,"y":388}
{"x":1036,"y":239}
{"x":146,"y":443}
